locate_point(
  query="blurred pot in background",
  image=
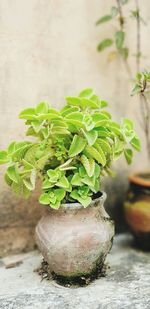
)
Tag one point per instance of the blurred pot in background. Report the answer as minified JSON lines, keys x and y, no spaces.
{"x":137,"y":209}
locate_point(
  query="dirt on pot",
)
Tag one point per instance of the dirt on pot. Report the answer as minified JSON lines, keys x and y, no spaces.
{"x":79,"y":281}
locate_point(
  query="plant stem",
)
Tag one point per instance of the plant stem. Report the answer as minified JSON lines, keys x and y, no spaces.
{"x":144,"y":105}
{"x":138,"y":48}
{"x":145,"y":109}
{"x":121,"y":22}
{"x":121,"y":17}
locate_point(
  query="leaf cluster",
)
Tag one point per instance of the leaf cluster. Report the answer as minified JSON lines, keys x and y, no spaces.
{"x":72,"y":149}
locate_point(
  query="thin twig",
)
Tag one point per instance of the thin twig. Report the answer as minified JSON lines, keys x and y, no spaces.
{"x":122,"y":22}
{"x":145,"y":110}
{"x":138,"y":48}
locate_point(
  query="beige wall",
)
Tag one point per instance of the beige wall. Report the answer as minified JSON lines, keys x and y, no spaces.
{"x":48,"y":51}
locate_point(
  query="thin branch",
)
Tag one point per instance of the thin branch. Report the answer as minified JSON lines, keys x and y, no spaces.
{"x":145,"y":110}
{"x":121,"y":17}
{"x":138,"y":47}
{"x":122,"y":22}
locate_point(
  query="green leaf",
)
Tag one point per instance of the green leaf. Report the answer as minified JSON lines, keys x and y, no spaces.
{"x":97,"y":171}
{"x":13,"y":173}
{"x":11,"y":148}
{"x":99,"y":116}
{"x":102,"y":123}
{"x":89,"y":181}
{"x":103,"y":132}
{"x":33,"y":178}
{"x":135,"y":142}
{"x":136,"y":90}
{"x":102,"y":156}
{"x":88,"y":103}
{"x":75,"y":116}
{"x":76,"y":180}
{"x":44,"y":199}
{"x":30,"y":154}
{"x":30,"y":132}
{"x":114,"y":127}
{"x":3,"y":157}
{"x":104,"y":44}
{"x":59,"y":123}
{"x":53,"y":175}
{"x":41,"y":108}
{"x":104,"y":103}
{"x":60,"y":194}
{"x":77,"y":145}
{"x":28,"y":184}
{"x":88,"y":93}
{"x":59,"y":131}
{"x":63,"y":183}
{"x":28,"y":113}
{"x":104,"y":145}
{"x":89,"y":165}
{"x":47,"y":184}
{"x":17,"y":187}
{"x":103,"y":19}
{"x":85,"y":201}
{"x":68,"y":110}
{"x":119,"y":36}
{"x":128,"y":155}
{"x":26,"y":193}
{"x":43,"y":160}
{"x":98,"y":155}
{"x":90,"y":136}
{"x":114,"y":11}
{"x":128,"y":123}
{"x":75,"y":101}
{"x":8,"y":180}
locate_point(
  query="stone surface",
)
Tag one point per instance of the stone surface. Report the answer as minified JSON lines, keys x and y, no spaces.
{"x":126,"y":285}
{"x":48,"y":51}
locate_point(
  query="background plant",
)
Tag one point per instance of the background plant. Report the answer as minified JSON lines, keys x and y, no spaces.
{"x":72,"y":149}
{"x":120,"y":48}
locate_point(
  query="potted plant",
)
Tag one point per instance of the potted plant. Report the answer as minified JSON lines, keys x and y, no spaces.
{"x":73,"y":149}
{"x":137,"y":205}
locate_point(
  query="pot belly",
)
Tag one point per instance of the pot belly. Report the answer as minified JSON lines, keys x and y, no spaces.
{"x":73,"y":247}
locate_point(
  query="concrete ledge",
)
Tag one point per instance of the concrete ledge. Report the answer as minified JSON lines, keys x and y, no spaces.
{"x":127,"y":284}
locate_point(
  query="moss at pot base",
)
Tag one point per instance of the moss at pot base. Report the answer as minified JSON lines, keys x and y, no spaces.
{"x":76,"y":281}
{"x":142,"y":240}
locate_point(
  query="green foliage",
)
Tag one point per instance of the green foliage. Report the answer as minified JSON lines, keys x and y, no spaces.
{"x":71,"y":150}
{"x":119,"y":36}
{"x":104,"y":44}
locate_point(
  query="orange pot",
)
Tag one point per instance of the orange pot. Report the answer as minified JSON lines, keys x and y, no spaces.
{"x":137,"y":209}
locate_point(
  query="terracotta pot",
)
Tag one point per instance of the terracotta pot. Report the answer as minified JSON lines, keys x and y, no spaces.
{"x":75,"y":240}
{"x":137,"y":209}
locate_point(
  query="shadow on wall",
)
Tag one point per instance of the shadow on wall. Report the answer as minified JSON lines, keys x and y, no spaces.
{"x":17,"y":222}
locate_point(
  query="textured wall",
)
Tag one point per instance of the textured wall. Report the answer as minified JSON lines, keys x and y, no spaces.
{"x":48,"y":51}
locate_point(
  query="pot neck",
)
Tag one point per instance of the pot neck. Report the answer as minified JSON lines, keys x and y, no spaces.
{"x":96,"y":203}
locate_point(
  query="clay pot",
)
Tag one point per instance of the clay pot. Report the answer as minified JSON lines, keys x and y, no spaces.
{"x":75,"y":240}
{"x":137,"y":209}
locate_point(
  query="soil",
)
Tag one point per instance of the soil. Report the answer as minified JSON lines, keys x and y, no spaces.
{"x":80,"y":281}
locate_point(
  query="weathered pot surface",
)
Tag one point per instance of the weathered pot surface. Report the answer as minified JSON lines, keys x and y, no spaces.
{"x":75,"y":240}
{"x":137,"y":209}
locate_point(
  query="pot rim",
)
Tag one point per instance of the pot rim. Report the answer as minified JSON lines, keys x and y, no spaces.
{"x":137,"y":179}
{"x":75,"y":206}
